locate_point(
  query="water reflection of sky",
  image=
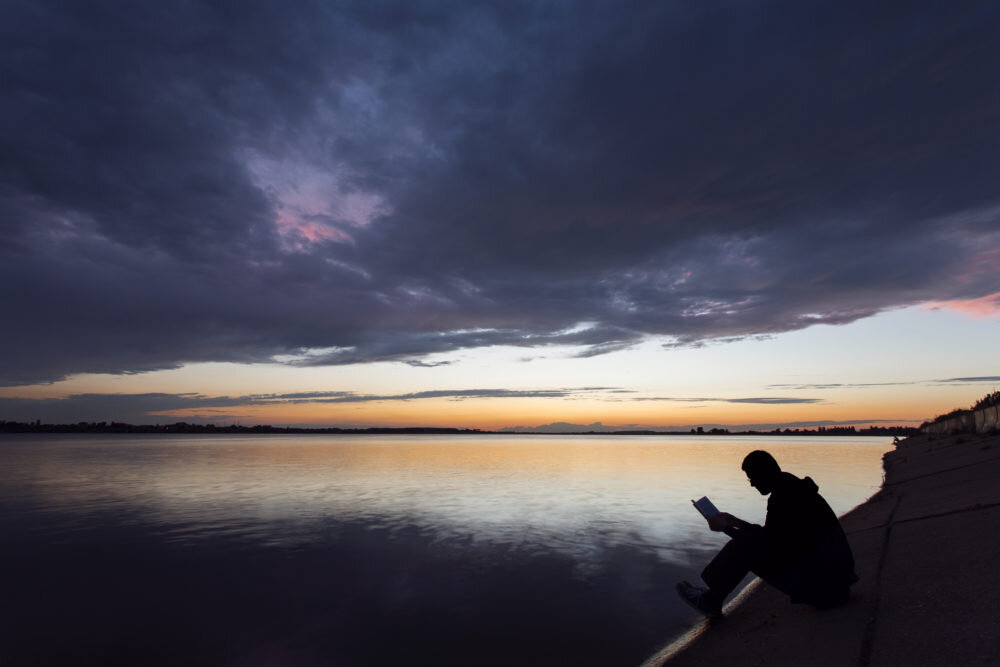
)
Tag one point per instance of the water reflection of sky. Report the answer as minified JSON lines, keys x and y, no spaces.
{"x":570,"y":494}
{"x":371,"y":550}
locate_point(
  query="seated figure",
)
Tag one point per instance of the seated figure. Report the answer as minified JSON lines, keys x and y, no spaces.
{"x":801,"y":549}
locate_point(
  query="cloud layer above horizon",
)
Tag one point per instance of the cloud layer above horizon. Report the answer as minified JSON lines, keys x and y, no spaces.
{"x":328,"y":183}
{"x":159,"y":407}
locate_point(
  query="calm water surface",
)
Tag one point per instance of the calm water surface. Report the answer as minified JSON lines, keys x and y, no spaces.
{"x":372,"y":550}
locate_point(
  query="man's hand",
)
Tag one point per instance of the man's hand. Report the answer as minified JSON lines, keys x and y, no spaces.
{"x":721,"y":521}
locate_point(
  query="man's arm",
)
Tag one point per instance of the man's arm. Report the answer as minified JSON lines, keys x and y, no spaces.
{"x":728,"y":524}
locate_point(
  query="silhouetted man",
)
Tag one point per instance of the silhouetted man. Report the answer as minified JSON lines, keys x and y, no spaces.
{"x":801,"y":548}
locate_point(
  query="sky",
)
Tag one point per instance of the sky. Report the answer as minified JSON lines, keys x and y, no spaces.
{"x":498,"y":214}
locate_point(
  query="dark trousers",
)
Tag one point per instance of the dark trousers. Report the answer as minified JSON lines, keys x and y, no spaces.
{"x":746,"y":552}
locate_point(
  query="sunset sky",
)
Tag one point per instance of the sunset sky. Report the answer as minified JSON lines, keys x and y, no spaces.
{"x":493,"y":214}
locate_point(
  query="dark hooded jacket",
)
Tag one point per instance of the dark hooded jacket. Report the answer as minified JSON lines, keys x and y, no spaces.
{"x":805,"y":540}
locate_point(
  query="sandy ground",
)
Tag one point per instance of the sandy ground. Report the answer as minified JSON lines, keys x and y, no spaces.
{"x":927,"y":548}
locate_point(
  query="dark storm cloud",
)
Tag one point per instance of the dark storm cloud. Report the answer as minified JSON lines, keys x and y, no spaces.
{"x":416,"y":363}
{"x":759,"y":400}
{"x":776,"y":400}
{"x":985,"y":379}
{"x":454,"y":394}
{"x":336,"y":183}
{"x":843,"y":385}
{"x":397,"y":346}
{"x":460,"y":394}
{"x":128,"y":408}
{"x":146,"y":408}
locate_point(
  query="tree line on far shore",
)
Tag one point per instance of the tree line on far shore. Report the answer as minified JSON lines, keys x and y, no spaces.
{"x":184,"y":427}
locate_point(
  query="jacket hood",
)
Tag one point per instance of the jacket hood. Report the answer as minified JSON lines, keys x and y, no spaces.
{"x":804,"y":485}
{"x":810,"y":485}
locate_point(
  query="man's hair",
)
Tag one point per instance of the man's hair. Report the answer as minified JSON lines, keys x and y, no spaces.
{"x":760,"y":464}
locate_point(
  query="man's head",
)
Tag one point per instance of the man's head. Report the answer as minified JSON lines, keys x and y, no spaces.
{"x":762,"y":471}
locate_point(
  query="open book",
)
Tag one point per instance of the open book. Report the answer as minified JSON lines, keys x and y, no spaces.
{"x":705,"y":506}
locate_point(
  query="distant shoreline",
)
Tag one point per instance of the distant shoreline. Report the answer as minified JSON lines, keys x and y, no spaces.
{"x":186,"y":428}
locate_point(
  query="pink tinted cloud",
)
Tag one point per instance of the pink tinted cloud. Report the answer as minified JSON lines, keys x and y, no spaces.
{"x":984,"y":263}
{"x":291,"y":226}
{"x":981,"y":308}
{"x":313,"y":203}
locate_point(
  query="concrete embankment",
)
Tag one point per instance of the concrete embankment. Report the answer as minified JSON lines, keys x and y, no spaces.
{"x":984,"y":420}
{"x":927,"y":547}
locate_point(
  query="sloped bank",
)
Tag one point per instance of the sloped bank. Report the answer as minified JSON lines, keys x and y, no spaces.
{"x":928,"y":554}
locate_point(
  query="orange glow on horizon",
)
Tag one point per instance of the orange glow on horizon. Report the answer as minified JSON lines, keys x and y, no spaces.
{"x":495,"y":414}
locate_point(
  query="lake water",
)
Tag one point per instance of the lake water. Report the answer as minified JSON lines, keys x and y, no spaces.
{"x":372,"y":550}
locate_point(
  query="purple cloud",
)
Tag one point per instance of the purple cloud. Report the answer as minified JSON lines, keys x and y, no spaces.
{"x":351,"y":183}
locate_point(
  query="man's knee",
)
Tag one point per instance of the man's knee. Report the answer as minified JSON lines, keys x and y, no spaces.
{"x":740,"y":555}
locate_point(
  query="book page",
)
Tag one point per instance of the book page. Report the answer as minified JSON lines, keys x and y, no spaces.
{"x":705,"y":506}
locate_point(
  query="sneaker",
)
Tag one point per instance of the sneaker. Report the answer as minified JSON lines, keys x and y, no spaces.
{"x":696,"y":598}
